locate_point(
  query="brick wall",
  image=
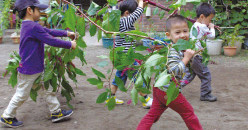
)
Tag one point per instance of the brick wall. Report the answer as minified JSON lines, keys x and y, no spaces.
{"x":154,"y":23}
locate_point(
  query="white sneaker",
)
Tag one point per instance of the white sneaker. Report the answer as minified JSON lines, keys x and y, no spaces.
{"x":117,"y":101}
{"x":148,"y":103}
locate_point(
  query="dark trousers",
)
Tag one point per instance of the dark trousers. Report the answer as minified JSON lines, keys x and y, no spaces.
{"x":202,"y":72}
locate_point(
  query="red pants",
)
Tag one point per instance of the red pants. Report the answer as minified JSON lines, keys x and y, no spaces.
{"x":180,"y":105}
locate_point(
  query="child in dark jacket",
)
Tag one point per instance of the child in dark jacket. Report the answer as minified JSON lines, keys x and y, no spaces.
{"x":33,"y":36}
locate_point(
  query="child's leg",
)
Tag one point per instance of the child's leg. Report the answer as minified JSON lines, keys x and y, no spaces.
{"x":22,"y":93}
{"x":155,"y":111}
{"x":186,"y":111}
{"x":204,"y":74}
{"x":52,"y":101}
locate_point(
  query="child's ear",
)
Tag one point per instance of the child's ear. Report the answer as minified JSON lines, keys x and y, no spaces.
{"x":126,"y":13}
{"x":29,"y":10}
{"x":201,"y":16}
{"x":168,"y":35}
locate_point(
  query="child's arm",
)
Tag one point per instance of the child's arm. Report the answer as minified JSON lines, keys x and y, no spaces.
{"x":131,"y":19}
{"x":209,"y":31}
{"x":176,"y":65}
{"x":56,"y":32}
{"x":41,"y":34}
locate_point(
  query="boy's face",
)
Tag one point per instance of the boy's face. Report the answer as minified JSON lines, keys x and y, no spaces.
{"x":179,"y":30}
{"x":207,"y":20}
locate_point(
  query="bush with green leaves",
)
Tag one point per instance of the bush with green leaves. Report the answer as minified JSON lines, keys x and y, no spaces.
{"x":59,"y":65}
{"x":230,"y":13}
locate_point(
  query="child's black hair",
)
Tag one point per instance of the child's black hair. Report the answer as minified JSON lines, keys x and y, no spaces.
{"x":128,"y":5}
{"x":205,"y":9}
{"x":174,"y":19}
{"x":22,"y":13}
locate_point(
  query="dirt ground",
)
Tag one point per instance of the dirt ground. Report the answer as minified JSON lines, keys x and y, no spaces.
{"x":229,"y":83}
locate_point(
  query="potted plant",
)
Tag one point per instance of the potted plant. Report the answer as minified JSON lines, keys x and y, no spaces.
{"x":234,"y":42}
{"x":16,"y":35}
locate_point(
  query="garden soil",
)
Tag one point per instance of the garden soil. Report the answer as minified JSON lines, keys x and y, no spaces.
{"x":229,"y":83}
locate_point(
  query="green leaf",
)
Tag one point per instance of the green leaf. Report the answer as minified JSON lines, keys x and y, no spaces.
{"x":100,"y":85}
{"x":134,"y":95}
{"x":93,"y":9}
{"x":67,"y":86}
{"x":93,"y":81}
{"x":155,"y":60}
{"x":102,"y":97}
{"x":79,"y":72}
{"x":195,"y":32}
{"x":111,"y":104}
{"x":155,"y":11}
{"x":120,"y":84}
{"x":67,"y":56}
{"x":81,"y":26}
{"x":163,"y":79}
{"x":111,"y":21}
{"x":70,"y":18}
{"x":13,"y":78}
{"x":183,"y":45}
{"x":142,"y":99}
{"x":80,"y":55}
{"x":53,"y":82}
{"x":98,"y":73}
{"x":103,"y":64}
{"x":93,"y":30}
{"x":143,"y":90}
{"x":112,"y":2}
{"x":48,"y":74}
{"x":172,"y":93}
{"x":33,"y":95}
{"x":65,"y":93}
{"x":102,"y":11}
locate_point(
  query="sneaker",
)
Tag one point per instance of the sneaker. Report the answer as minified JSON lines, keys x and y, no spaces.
{"x":11,"y":122}
{"x":148,"y":103}
{"x":117,"y":101}
{"x":209,"y":98}
{"x":62,"y":114}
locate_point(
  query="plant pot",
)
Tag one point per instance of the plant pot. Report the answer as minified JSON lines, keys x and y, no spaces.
{"x":230,"y":51}
{"x":1,"y":39}
{"x":16,"y":39}
{"x":107,"y":42}
{"x":214,"y":46}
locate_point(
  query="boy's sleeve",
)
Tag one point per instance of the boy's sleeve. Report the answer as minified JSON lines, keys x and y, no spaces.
{"x":56,"y":32}
{"x":210,"y":33}
{"x":41,"y":34}
{"x":130,"y":20}
{"x":176,"y":66}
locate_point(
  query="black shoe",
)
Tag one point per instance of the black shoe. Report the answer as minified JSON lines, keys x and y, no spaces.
{"x":209,"y":98}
